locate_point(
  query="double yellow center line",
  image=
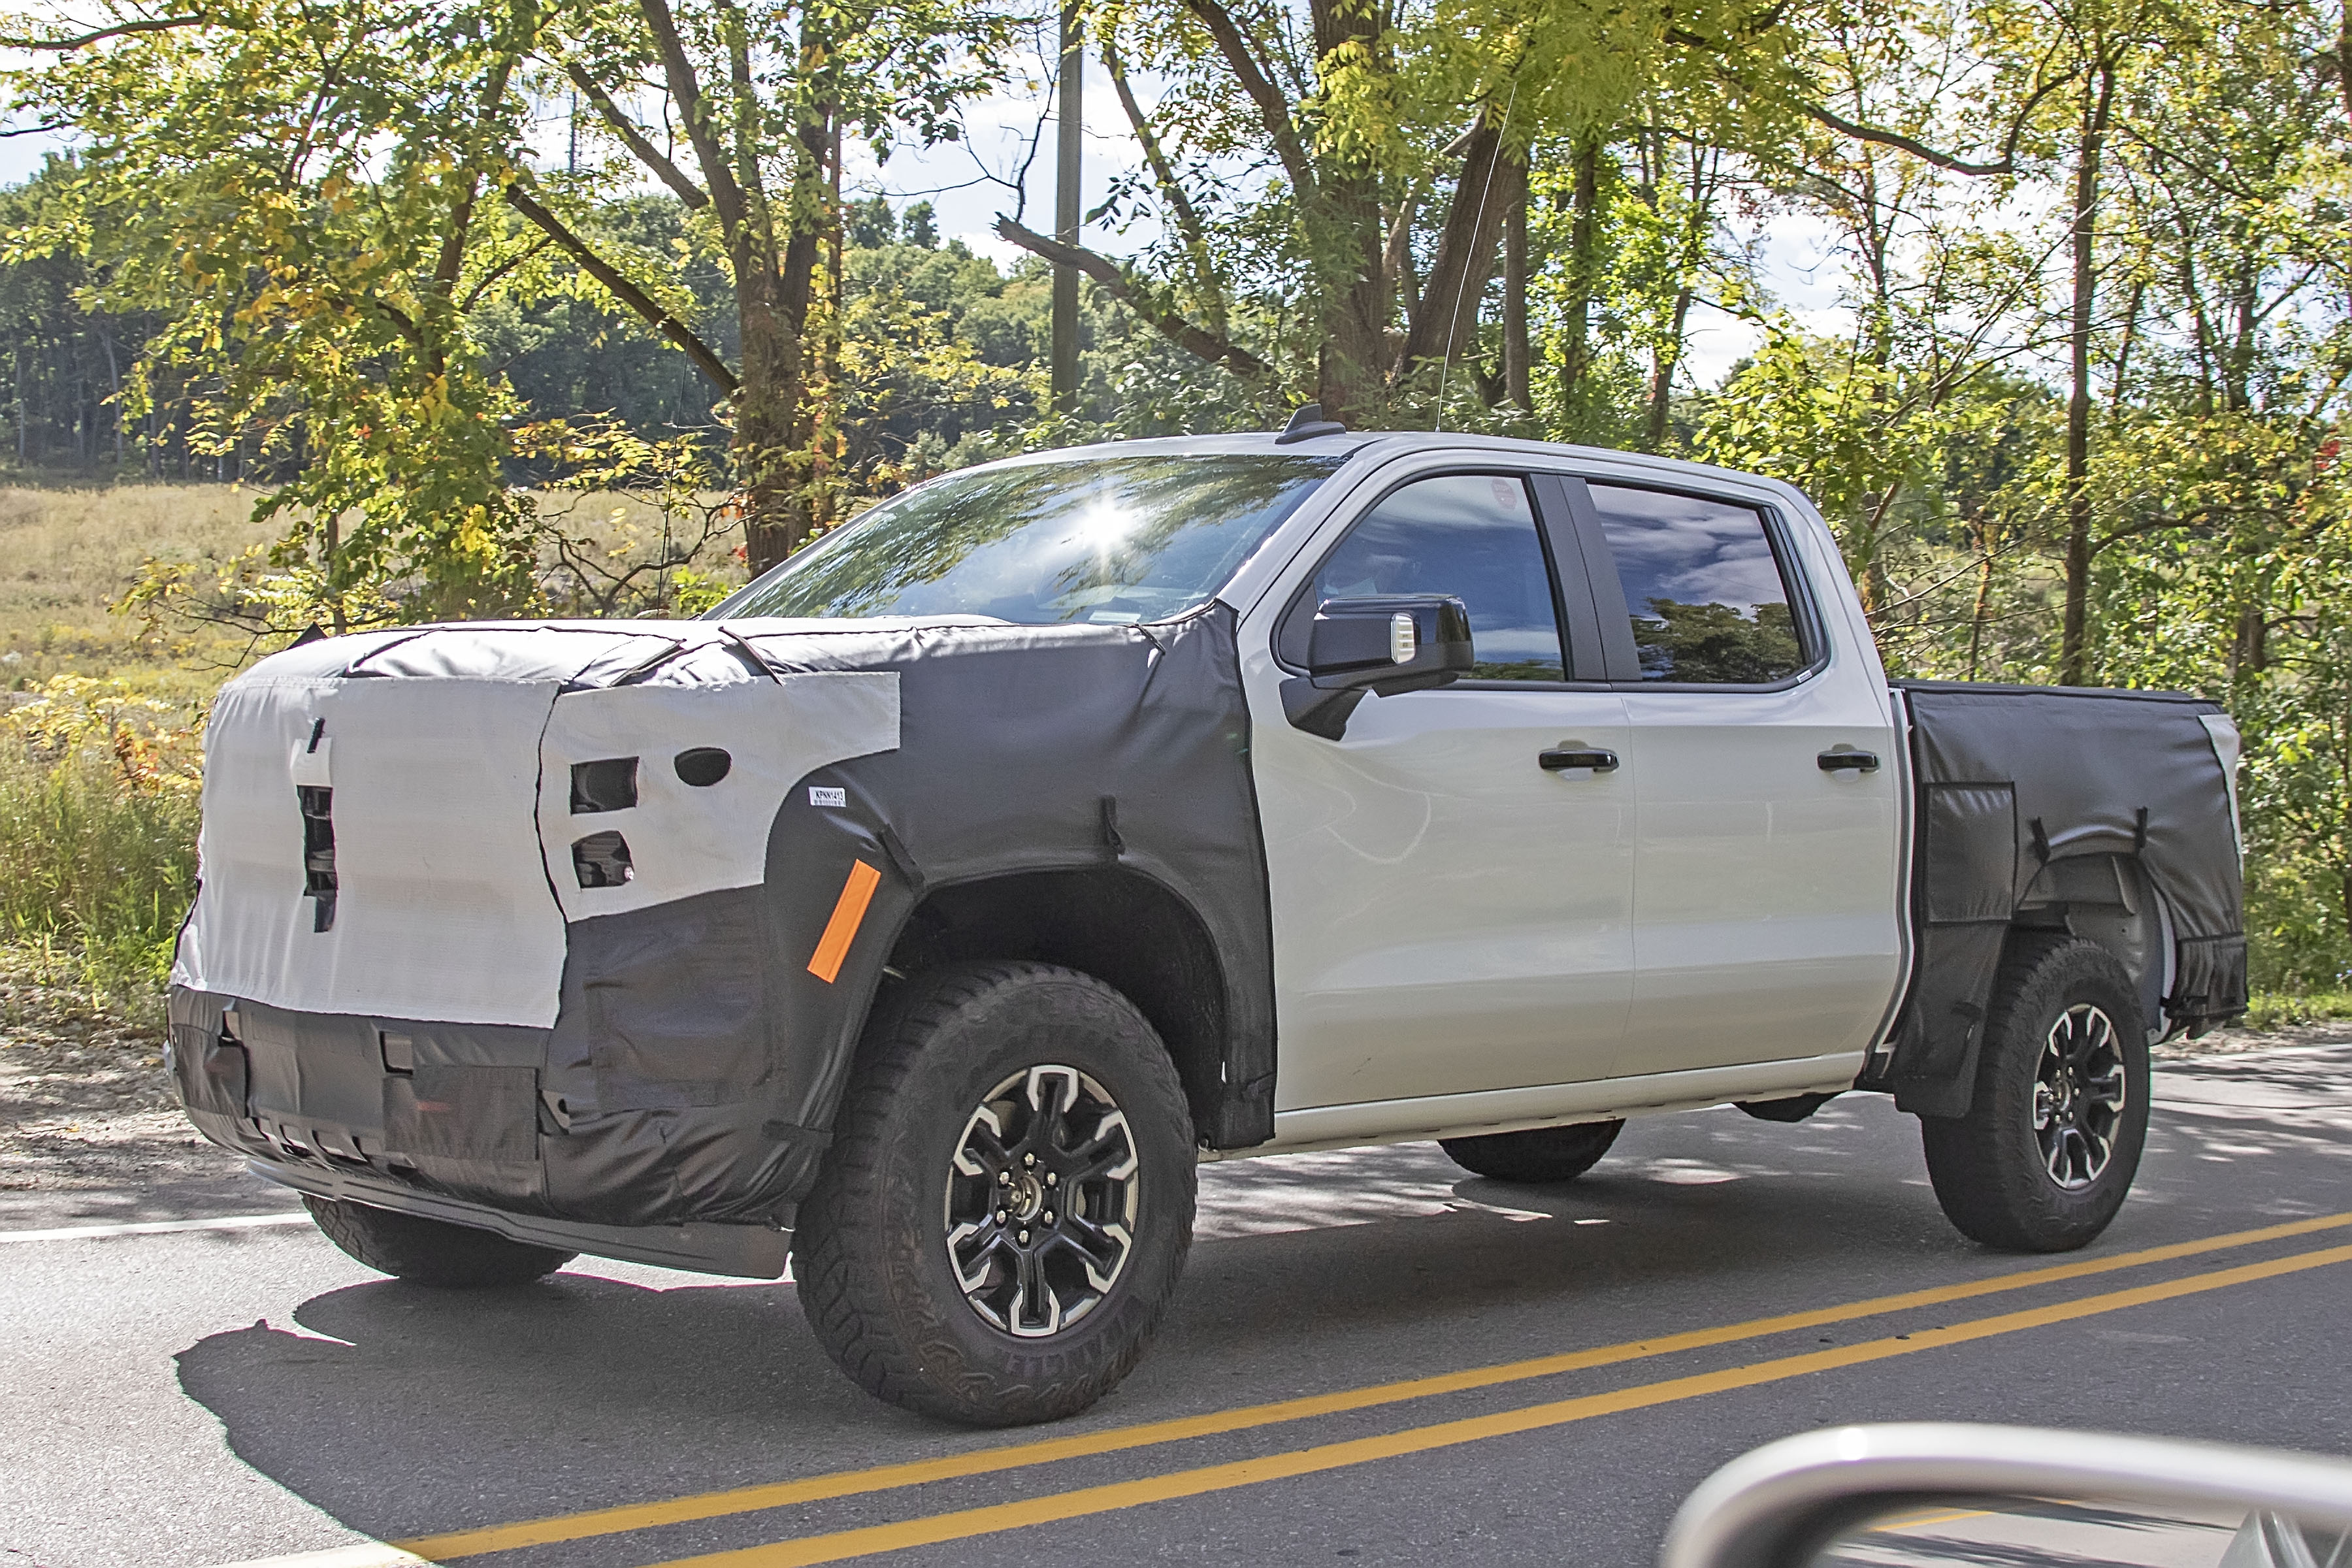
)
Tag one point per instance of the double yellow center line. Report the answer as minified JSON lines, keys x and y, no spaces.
{"x":938,"y":1528}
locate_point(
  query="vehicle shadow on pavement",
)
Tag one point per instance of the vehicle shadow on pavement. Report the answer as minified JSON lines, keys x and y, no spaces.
{"x":400,"y":1409}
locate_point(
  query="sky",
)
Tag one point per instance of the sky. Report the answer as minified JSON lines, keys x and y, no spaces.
{"x":973,"y":182}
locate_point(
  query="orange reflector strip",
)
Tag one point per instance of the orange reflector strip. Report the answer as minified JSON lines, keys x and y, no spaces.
{"x":848,"y":914}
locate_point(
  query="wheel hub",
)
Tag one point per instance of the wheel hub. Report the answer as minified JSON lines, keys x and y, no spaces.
{"x":2079,"y":1096}
{"x":1041,"y":1198}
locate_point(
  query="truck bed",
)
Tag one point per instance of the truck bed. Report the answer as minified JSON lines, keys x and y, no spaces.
{"x":2090,"y":811}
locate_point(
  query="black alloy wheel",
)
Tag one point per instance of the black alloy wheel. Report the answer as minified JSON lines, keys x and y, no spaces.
{"x":1042,"y":1200}
{"x":2080,"y":1091}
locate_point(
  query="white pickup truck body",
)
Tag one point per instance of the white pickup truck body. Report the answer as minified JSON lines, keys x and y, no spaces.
{"x":488,"y":939}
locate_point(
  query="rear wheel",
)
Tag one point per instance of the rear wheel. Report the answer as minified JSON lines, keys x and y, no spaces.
{"x":1541,"y":1154}
{"x":430,"y":1252}
{"x":1007,"y":1201}
{"x":2051,"y":1140}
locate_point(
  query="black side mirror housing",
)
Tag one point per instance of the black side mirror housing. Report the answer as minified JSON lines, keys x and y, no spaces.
{"x":1384,"y":644}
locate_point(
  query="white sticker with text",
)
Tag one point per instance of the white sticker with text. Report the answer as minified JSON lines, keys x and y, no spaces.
{"x":820,"y":795}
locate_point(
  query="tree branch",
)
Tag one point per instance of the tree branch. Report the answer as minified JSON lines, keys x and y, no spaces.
{"x":1902,"y":143}
{"x":636,"y":140}
{"x":1878,"y":135}
{"x":1115,"y":281}
{"x":713,"y":368}
{"x":461,"y":223}
{"x":489,"y":279}
{"x":718,"y":172}
{"x":1188,"y":217}
{"x":122,"y":30}
{"x":1272,"y":107}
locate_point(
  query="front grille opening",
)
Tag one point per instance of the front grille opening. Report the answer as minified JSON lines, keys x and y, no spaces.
{"x":318,"y":803}
{"x":602,"y":860}
{"x":607,"y":784}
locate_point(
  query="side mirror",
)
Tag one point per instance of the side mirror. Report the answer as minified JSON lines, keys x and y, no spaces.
{"x":1404,"y":642}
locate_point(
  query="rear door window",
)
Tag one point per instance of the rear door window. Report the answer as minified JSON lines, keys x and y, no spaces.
{"x":1704,"y":589}
{"x":1470,"y":535}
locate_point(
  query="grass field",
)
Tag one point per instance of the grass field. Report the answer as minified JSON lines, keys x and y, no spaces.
{"x":69,"y":556}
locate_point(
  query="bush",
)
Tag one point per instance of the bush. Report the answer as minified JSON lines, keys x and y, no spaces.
{"x":98,"y":810}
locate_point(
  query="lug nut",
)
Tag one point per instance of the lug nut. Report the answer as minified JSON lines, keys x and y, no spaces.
{"x":1048,"y":1217}
{"x":1004,"y":1178}
{"x":1001,"y":1217}
{"x":1025,"y":1238}
{"x":1052,"y":1180}
{"x":1028,"y":1159}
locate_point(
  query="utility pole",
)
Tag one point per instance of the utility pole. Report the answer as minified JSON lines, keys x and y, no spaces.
{"x":1067,"y":166}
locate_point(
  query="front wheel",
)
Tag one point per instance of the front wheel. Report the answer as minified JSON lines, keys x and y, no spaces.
{"x":1007,"y":1202}
{"x":2051,"y":1140}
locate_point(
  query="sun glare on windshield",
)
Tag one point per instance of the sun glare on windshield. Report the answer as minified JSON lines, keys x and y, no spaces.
{"x":1109,"y":540}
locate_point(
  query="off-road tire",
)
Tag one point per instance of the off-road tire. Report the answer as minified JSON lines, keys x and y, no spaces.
{"x":1541,"y":1154}
{"x":430,"y":1251}
{"x":871,"y":1253}
{"x":1989,"y":1167}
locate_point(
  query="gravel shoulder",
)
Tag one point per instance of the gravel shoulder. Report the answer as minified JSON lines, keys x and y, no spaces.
{"x":90,"y":1127}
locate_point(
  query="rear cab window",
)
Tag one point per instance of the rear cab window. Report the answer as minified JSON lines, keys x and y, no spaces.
{"x":1708,"y":599}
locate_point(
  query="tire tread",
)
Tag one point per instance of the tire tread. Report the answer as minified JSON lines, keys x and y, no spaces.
{"x":845,"y":1280}
{"x":1985,"y":1166}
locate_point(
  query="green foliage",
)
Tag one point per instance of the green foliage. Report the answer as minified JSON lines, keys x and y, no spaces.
{"x":98,"y":832}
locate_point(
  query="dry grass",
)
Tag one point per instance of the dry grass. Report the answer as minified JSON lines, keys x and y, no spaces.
{"x":67,"y":556}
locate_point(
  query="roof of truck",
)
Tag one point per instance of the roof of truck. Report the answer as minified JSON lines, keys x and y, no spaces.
{"x":1378,"y":445}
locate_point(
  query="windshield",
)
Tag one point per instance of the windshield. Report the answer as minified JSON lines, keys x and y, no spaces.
{"x":1105,"y":540}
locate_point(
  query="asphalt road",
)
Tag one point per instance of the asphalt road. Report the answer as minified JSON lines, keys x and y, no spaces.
{"x":190,"y":1398}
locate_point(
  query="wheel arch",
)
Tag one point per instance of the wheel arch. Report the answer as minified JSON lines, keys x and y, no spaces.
{"x":2103,"y":893}
{"x":1127,"y":929}
{"x":2109,"y":900}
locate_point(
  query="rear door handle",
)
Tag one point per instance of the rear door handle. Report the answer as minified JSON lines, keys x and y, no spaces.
{"x":1599,"y":762}
{"x":1860,"y":762}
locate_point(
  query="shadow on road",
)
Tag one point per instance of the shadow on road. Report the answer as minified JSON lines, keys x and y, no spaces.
{"x":399,"y":1409}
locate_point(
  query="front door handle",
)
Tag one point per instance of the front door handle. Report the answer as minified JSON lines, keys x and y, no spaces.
{"x":1599,"y":762}
{"x":1860,"y":762}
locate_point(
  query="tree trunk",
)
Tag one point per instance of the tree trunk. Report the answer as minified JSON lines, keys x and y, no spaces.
{"x":770,"y":443}
{"x":1516,"y":355}
{"x":1493,"y":182}
{"x":1584,"y":240}
{"x":1343,"y":221}
{"x":1982,"y":607}
{"x":2073,"y":654}
{"x":1349,"y":381}
{"x":2343,"y":56}
{"x":1662,"y":371}
{"x":773,"y":430}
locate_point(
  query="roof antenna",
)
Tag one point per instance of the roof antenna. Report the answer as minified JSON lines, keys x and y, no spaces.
{"x":1445,"y":365}
{"x":1307,"y":424}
